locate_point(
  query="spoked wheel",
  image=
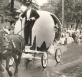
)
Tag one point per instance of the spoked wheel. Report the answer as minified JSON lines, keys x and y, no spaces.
{"x":44,"y":60}
{"x":58,"y":55}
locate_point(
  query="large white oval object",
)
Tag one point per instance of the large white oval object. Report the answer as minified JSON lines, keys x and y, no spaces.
{"x":43,"y":29}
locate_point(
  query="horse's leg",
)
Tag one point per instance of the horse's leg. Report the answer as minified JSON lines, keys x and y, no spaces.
{"x":1,"y":69}
{"x":16,"y":68}
{"x":19,"y":57}
{"x":17,"y":62}
{"x":7,"y":66}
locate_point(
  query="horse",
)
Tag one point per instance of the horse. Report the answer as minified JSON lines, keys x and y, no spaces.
{"x":11,"y":46}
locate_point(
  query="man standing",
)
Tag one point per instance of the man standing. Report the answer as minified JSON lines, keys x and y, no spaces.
{"x":30,"y":17}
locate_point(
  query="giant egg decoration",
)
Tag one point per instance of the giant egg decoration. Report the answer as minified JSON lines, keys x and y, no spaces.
{"x":43,"y":29}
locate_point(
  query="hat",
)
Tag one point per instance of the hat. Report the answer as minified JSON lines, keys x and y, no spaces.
{"x":28,"y":2}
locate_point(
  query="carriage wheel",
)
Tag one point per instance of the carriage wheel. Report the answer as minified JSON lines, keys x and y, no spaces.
{"x":58,"y":55}
{"x":44,"y":60}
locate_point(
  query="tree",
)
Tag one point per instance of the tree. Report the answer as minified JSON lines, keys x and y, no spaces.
{"x":72,"y":10}
{"x":50,"y":6}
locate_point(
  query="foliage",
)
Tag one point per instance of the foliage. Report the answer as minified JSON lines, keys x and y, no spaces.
{"x":72,"y":9}
{"x":50,"y":6}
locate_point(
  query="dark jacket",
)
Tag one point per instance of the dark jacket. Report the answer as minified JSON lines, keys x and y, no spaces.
{"x":29,"y":24}
{"x":32,"y":14}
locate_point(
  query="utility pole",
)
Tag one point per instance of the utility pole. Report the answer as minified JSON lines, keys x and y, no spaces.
{"x":11,"y":10}
{"x":62,"y":14}
{"x":12,"y":5}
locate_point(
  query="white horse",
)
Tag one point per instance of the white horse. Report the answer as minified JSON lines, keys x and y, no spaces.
{"x":43,"y":28}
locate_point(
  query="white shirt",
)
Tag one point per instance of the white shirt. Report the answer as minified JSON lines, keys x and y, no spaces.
{"x":28,"y":14}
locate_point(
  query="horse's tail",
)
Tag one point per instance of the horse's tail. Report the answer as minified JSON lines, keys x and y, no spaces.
{"x":57,"y":21}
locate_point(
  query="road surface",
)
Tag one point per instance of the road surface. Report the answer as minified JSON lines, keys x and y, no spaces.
{"x":71,"y":55}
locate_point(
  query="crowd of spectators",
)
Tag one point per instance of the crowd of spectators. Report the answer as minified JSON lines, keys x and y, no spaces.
{"x":70,"y":35}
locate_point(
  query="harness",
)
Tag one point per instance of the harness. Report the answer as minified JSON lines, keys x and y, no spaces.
{"x":4,"y":48}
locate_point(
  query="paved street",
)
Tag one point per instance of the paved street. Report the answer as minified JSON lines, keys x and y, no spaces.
{"x":71,"y":55}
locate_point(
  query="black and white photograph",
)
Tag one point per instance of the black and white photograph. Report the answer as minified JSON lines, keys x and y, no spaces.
{"x":40,"y":38}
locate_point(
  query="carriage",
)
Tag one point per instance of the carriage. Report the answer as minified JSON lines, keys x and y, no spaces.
{"x":42,"y":38}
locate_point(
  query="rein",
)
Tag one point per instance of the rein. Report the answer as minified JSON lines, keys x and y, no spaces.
{"x":22,"y":28}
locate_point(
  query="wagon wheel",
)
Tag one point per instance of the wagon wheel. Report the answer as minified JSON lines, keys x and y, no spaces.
{"x":44,"y":60}
{"x":58,"y":55}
